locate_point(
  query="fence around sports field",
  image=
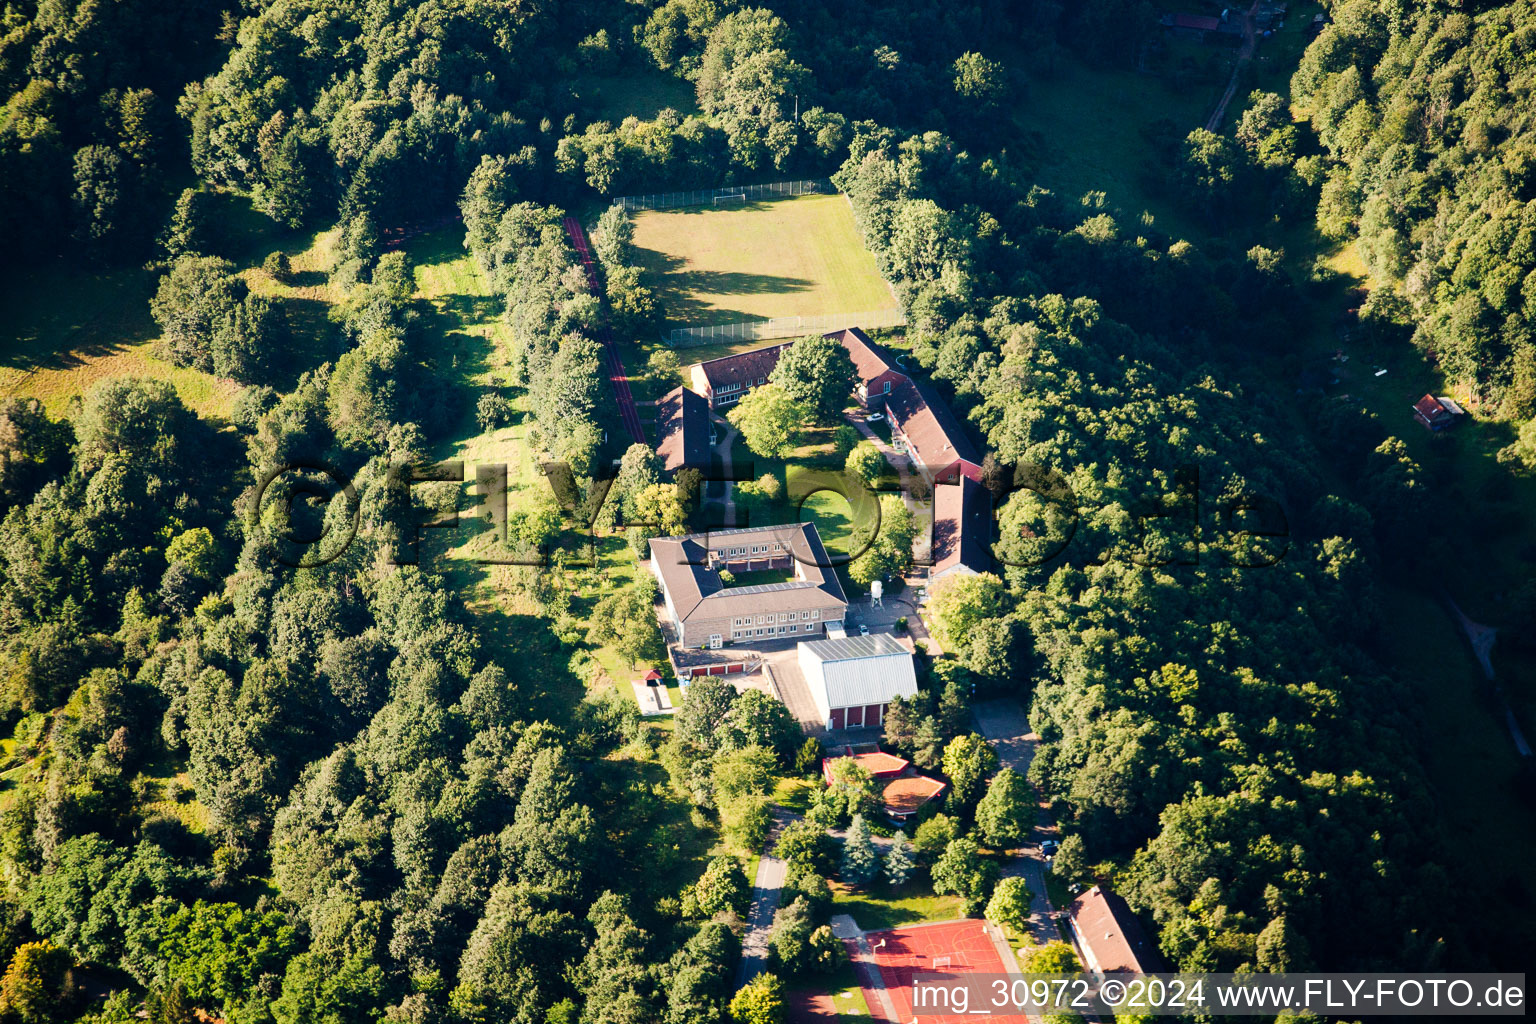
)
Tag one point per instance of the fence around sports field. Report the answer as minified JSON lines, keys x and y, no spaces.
{"x":784,"y":327}
{"x":707,"y":196}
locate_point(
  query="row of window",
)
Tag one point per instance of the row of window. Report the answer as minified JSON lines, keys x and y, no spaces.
{"x":737,"y":634}
{"x":746,"y":620}
{"x":726,"y":388}
{"x":755,"y":549}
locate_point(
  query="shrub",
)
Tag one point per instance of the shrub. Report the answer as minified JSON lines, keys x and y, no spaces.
{"x":277,"y":266}
{"x":493,"y":411}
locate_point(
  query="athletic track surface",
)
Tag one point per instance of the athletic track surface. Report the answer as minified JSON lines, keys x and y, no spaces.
{"x":616,"y":375}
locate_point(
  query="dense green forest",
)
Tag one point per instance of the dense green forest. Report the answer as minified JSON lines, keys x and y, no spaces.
{"x":1424,"y":116}
{"x":336,"y":793}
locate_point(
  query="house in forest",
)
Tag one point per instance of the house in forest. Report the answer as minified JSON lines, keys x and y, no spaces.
{"x":1437,"y":414}
{"x":1108,"y":935}
{"x":1191,"y":26}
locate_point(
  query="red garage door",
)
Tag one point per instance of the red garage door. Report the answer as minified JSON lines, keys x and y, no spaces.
{"x":855,"y":717}
{"x":837,"y":718}
{"x":872,"y":714}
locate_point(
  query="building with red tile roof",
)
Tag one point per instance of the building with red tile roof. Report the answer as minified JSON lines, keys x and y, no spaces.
{"x":1109,"y":936}
{"x":724,"y":381}
{"x":878,"y":373}
{"x":906,"y":795}
{"x":1437,"y":414}
{"x":962,"y":528}
{"x":934,"y":439}
{"x":880,"y":764}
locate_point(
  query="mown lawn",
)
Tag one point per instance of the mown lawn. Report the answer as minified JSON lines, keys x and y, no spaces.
{"x":833,"y":515}
{"x":810,"y":997}
{"x":881,"y":907}
{"x":761,"y":578}
{"x":794,"y":794}
{"x":789,"y":257}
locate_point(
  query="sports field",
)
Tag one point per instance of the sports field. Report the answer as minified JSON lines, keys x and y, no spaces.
{"x":788,"y":257}
{"x":959,"y":947}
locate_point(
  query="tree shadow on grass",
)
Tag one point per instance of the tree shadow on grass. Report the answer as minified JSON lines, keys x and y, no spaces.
{"x":58,"y":318}
{"x":314,"y":338}
{"x":680,"y":288}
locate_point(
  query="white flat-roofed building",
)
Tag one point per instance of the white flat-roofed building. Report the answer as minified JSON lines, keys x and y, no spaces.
{"x":853,"y":679}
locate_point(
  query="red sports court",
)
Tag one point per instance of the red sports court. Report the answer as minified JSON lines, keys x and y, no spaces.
{"x":954,"y":947}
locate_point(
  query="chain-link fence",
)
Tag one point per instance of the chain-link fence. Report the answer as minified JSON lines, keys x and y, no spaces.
{"x":784,"y":327}
{"x":728,"y":195}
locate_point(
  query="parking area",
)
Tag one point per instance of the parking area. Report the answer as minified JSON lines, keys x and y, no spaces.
{"x":882,"y":619}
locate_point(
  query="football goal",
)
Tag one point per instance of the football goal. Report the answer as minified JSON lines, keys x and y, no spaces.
{"x":941,"y":961}
{"x":732,"y":199}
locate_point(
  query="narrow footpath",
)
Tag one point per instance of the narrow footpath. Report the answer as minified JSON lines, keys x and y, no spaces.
{"x":1250,"y":44}
{"x":766,"y":890}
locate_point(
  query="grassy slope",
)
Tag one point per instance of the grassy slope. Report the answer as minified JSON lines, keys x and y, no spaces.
{"x":64,"y":331}
{"x":1468,"y":753}
{"x":1085,"y":130}
{"x":639,"y":92}
{"x":463,"y":319}
{"x":792,"y":257}
{"x":68,"y":327}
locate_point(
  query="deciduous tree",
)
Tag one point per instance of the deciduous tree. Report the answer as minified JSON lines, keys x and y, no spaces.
{"x":770,"y":421}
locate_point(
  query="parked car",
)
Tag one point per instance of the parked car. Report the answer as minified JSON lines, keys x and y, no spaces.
{"x":1049,"y":847}
{"x":863,"y":629}
{"x":874,"y":417}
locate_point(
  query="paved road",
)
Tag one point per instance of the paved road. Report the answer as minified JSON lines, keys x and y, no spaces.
{"x":1003,"y":723}
{"x":616,"y":375}
{"x":766,"y":889}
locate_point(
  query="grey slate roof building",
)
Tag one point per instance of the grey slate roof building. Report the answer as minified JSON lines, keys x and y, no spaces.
{"x":962,"y":528}
{"x":853,"y":680}
{"x":707,"y":613}
{"x":682,"y":429}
